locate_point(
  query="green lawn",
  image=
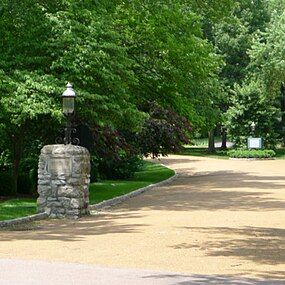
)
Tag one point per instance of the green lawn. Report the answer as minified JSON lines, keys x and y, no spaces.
{"x":16,"y":208}
{"x":99,"y":191}
{"x":202,"y":151}
{"x":108,"y":189}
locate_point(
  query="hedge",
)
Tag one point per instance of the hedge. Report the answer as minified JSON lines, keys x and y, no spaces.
{"x":254,"y":153}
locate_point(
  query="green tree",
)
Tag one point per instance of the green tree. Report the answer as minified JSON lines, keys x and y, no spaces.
{"x":267,"y":54}
{"x":267,"y":61}
{"x":88,"y":50}
{"x":175,"y":65}
{"x":251,"y":103}
{"x":233,"y":39}
{"x":119,"y":55}
{"x":27,"y":92}
{"x":44,"y":45}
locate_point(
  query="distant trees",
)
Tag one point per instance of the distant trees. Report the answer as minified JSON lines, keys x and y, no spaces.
{"x":268,"y":63}
{"x":249,"y":42}
{"x":262,"y":100}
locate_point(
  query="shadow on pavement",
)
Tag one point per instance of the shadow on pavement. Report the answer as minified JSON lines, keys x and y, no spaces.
{"x":75,"y":230}
{"x":214,"y":191}
{"x":216,"y":280}
{"x":261,"y":245}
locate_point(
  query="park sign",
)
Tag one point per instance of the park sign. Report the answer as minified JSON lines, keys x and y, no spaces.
{"x":254,"y":143}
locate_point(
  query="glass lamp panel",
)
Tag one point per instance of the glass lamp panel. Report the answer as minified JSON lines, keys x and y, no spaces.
{"x":68,"y":105}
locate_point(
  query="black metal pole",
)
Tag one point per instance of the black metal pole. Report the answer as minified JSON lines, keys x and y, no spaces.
{"x":67,"y":130}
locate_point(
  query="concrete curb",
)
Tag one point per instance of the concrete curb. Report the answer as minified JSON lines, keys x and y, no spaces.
{"x":121,"y":199}
{"x":23,"y":220}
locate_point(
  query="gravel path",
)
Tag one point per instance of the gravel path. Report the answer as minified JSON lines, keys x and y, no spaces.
{"x":219,"y":222}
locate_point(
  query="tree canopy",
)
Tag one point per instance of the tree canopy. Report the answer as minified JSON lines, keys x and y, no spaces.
{"x":201,"y":61}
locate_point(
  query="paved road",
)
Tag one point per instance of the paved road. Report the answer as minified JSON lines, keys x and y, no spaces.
{"x":23,"y":272}
{"x":219,"y":222}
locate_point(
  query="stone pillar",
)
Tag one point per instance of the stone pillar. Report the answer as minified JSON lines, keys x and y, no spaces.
{"x":63,"y":181}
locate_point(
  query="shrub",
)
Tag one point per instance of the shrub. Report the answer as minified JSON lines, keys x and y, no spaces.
{"x":25,"y":183}
{"x":123,"y":168}
{"x":113,"y":157}
{"x":6,"y":179}
{"x":28,"y":176}
{"x":264,"y":153}
{"x":6,"y":183}
{"x":164,"y":132}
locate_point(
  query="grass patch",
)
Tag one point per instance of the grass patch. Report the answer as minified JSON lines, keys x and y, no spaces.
{"x":203,"y":142}
{"x":16,"y":208}
{"x":108,"y":189}
{"x":201,"y":151}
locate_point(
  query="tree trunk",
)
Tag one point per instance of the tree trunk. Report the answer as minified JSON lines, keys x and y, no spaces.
{"x":15,"y":176}
{"x":17,"y":147}
{"x":211,"y":141}
{"x":224,"y":139}
{"x":283,"y":115}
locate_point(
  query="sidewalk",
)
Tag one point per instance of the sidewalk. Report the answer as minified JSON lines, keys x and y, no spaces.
{"x":221,"y":221}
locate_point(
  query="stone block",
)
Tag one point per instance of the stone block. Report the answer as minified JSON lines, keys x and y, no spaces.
{"x":75,"y":203}
{"x":44,"y":190}
{"x":77,"y":168}
{"x":65,"y":202}
{"x":41,"y":208}
{"x":54,"y":204}
{"x":53,"y":215}
{"x":52,"y":199}
{"x":41,"y":201}
{"x":44,"y":181}
{"x":63,"y":178}
{"x":57,"y":211}
{"x":68,"y":191}
{"x":58,"y":182}
{"x":59,"y":167}
{"x":74,"y":181}
{"x":73,"y":214}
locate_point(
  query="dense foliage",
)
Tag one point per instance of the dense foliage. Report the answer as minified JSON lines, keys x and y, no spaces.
{"x":251,"y":103}
{"x":164,"y":132}
{"x":113,"y":157}
{"x":199,"y":64}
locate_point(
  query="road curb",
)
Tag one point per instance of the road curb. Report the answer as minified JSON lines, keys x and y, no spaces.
{"x":22,"y":220}
{"x":121,"y":199}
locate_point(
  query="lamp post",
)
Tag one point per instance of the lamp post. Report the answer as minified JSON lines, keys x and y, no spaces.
{"x":68,"y":98}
